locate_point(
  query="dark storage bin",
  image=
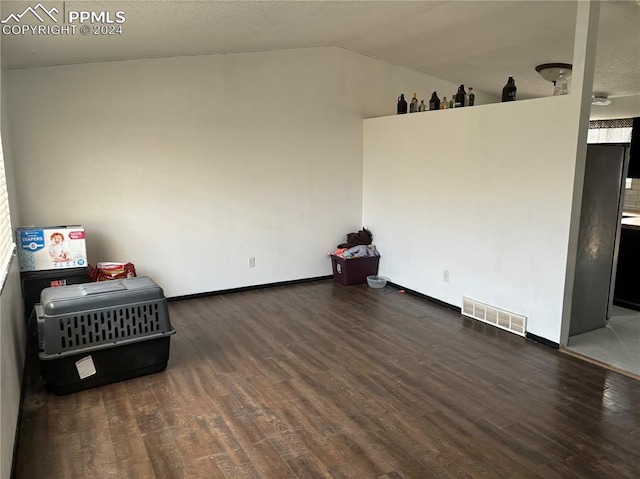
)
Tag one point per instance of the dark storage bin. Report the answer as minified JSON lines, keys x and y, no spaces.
{"x":98,"y":333}
{"x":354,"y":270}
{"x":33,"y":282}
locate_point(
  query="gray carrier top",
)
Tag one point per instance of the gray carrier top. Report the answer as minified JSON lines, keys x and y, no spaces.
{"x":83,"y":317}
{"x":78,"y":297}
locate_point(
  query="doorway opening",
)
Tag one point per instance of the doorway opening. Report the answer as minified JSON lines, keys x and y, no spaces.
{"x":605,"y":326}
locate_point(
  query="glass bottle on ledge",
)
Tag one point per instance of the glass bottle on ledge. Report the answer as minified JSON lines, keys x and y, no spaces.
{"x":451,"y":103}
{"x":402,"y":104}
{"x":472,"y":97}
{"x":460,"y":98}
{"x":413,"y":107}
{"x":444,"y":105}
{"x":422,"y":106}
{"x":561,"y":87}
{"x":434,"y":102}
{"x":509,"y":90}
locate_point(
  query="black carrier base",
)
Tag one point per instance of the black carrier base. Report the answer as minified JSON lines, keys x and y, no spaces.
{"x":112,"y":364}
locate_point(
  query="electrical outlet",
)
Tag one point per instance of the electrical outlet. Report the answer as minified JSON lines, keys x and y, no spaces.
{"x":252,"y":262}
{"x":445,"y":276}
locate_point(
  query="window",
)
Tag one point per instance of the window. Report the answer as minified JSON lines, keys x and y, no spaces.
{"x":7,"y":245}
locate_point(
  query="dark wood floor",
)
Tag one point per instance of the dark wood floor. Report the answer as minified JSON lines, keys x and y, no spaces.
{"x":323,"y":380}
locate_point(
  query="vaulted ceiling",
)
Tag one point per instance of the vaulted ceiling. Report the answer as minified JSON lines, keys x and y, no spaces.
{"x":478,"y":43}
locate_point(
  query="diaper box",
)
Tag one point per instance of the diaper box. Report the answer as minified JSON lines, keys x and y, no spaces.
{"x":51,"y":247}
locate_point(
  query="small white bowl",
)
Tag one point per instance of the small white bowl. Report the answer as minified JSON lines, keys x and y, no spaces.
{"x":375,"y":281}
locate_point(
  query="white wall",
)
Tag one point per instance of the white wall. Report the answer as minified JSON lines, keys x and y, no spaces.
{"x":12,"y":354}
{"x":12,"y":328}
{"x":483,"y":192}
{"x":188,"y":166}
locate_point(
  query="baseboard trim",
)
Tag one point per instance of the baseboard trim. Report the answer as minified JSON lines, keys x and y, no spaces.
{"x":248,"y":288}
{"x":541,"y":340}
{"x":426,"y":297}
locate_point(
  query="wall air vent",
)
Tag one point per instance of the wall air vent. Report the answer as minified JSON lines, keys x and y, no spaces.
{"x":515,"y":323}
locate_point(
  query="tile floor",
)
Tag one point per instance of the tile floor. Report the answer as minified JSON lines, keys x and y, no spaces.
{"x":617,"y":344}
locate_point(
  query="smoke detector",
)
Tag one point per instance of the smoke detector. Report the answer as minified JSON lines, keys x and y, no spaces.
{"x":600,"y":100}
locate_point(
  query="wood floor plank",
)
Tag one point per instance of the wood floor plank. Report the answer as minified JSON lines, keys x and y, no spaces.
{"x":319,"y":380}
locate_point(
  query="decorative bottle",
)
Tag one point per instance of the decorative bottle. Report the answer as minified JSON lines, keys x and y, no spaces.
{"x":445,"y":104}
{"x":413,"y":107}
{"x":561,"y":87}
{"x":451,"y":102}
{"x":402,"y":104}
{"x":509,"y":90}
{"x":472,"y":97}
{"x":422,"y":106}
{"x":460,"y":97}
{"x":434,"y":102}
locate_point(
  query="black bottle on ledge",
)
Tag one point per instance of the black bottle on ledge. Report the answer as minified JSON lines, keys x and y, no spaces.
{"x":460,"y":98}
{"x":509,"y":90}
{"x":402,"y":104}
{"x":434,"y":102}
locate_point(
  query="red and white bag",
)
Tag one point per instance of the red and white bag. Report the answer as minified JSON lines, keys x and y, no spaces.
{"x":107,"y":271}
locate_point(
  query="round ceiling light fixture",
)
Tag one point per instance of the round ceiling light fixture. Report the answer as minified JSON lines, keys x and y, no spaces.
{"x":551,"y":71}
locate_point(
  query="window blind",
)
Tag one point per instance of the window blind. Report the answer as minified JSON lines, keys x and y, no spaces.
{"x":7,"y":245}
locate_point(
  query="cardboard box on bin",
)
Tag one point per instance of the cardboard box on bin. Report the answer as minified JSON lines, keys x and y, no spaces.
{"x":51,"y":247}
{"x":354,"y":270}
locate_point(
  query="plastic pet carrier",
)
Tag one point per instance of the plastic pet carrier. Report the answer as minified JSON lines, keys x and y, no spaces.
{"x":98,"y":333}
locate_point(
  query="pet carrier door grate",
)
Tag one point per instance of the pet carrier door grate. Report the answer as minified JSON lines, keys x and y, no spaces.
{"x":84,"y":317}
{"x":108,"y":326}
